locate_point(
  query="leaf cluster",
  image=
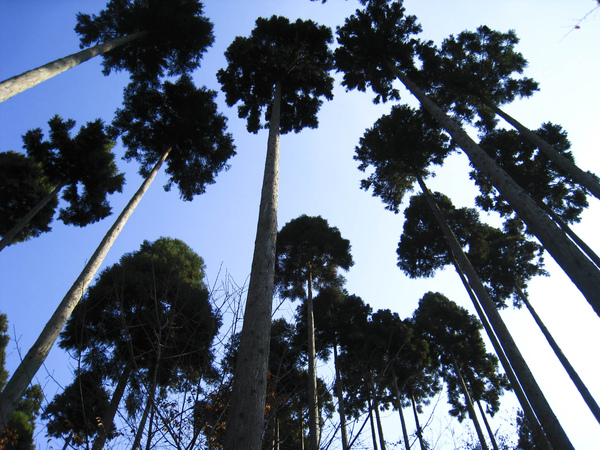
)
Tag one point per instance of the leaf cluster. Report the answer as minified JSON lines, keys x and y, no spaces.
{"x":177,"y":34}
{"x":180,"y":117}
{"x":84,"y":164}
{"x":370,"y":40}
{"x":295,"y":55}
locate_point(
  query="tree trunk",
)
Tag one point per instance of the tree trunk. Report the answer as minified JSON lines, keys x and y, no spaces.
{"x":10,"y":234}
{"x":246,"y":415}
{"x":37,"y":354}
{"x":399,"y":407}
{"x":111,"y":411}
{"x":577,"y":381}
{"x":372,"y":422}
{"x":418,"y":425}
{"x":142,"y":425}
{"x":487,"y":426}
{"x":544,"y":413}
{"x":340,"y":395}
{"x":567,"y":229}
{"x":31,"y":78}
{"x":585,"y":179}
{"x":379,"y":426}
{"x":469,"y":404}
{"x":313,"y":402}
{"x":582,"y":272}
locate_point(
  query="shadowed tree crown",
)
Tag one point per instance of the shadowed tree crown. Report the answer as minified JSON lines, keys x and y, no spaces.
{"x":370,"y":39}
{"x":309,"y":246}
{"x":180,"y":117}
{"x":177,"y":36}
{"x":22,"y":186}
{"x":296,"y":55}
{"x":84,"y":164}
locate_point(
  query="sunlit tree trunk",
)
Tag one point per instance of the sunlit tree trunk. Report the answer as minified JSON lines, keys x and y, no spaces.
{"x":246,"y":416}
{"x":31,"y":78}
{"x":37,"y":354}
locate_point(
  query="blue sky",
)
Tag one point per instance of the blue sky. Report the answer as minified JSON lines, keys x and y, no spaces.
{"x":318,"y":176}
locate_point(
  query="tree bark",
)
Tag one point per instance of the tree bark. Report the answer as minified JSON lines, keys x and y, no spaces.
{"x":371,"y":421}
{"x":469,"y":404}
{"x":535,"y":396}
{"x":577,"y":381}
{"x":378,"y":418}
{"x":313,"y":402}
{"x":585,"y":179}
{"x":142,"y":425}
{"x":10,"y":234}
{"x":31,"y":78}
{"x":37,"y":354}
{"x":246,"y":416}
{"x":109,"y":414}
{"x":582,"y":272}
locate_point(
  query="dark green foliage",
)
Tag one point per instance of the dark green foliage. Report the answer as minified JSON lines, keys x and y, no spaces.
{"x":502,"y":259}
{"x":532,"y":170}
{"x":181,"y":117}
{"x":454,"y":335}
{"x":178,"y":35}
{"x":76,"y":413}
{"x":18,"y":432}
{"x":84,"y":164}
{"x":154,"y":299}
{"x":22,"y":186}
{"x":399,"y":147}
{"x":372,"y":38}
{"x":309,"y":246}
{"x":296,"y":55}
{"x":474,"y":68}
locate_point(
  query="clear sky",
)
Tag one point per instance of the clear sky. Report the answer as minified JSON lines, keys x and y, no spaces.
{"x":318,"y":177}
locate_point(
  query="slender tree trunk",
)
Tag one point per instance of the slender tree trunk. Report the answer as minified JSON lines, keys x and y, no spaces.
{"x":313,"y":402}
{"x":567,"y":229}
{"x":340,"y":395}
{"x":372,"y":422}
{"x":577,"y":381}
{"x":111,"y":411}
{"x":469,"y":404}
{"x":37,"y":354}
{"x":487,"y":426}
{"x":379,"y":426}
{"x":10,"y":234}
{"x":544,"y":413}
{"x":142,"y":425}
{"x":246,"y":415}
{"x":399,"y":407}
{"x":585,"y":179}
{"x":31,"y":78}
{"x":417,"y":423}
{"x":582,"y":272}
{"x":150,"y":425}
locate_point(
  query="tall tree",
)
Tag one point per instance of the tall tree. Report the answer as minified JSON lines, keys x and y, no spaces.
{"x":281,"y":70}
{"x":197,"y":137}
{"x":150,"y":315}
{"x":309,"y":253}
{"x":473,"y":75}
{"x":376,"y":47}
{"x":84,"y":164}
{"x":146,"y":38}
{"x":22,"y":186}
{"x":392,"y":176}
